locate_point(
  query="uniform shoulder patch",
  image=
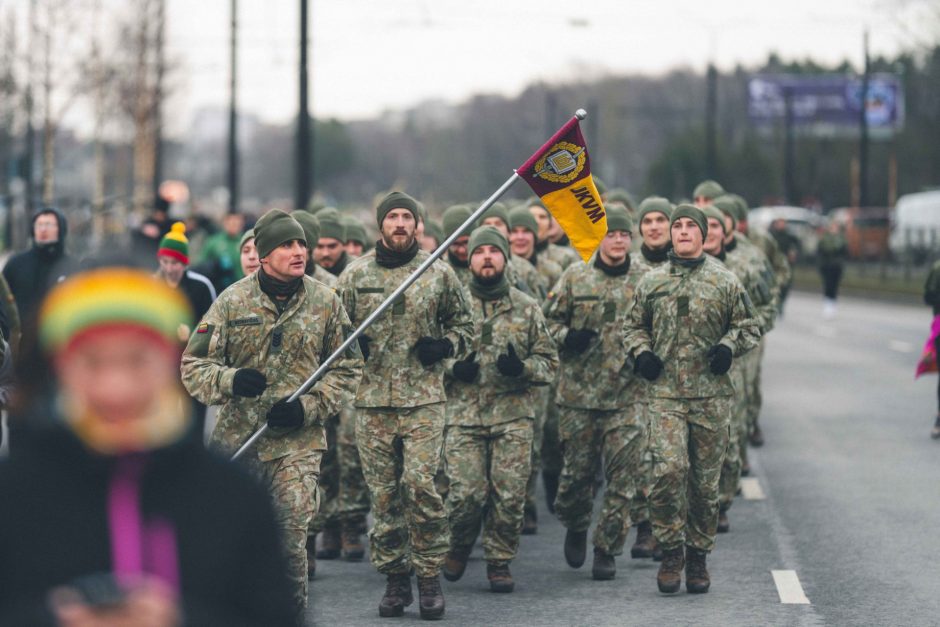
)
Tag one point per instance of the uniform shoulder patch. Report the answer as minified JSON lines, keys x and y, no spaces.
{"x":200,"y":340}
{"x":203,"y":328}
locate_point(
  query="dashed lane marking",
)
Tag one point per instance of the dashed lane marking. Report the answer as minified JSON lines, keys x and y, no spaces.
{"x":751,"y":490}
{"x":789,"y":588}
{"x":901,"y":347}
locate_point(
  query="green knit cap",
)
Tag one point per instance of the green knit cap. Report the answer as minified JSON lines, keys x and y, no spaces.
{"x":249,"y":235}
{"x":520,"y":216}
{"x":273,"y":229}
{"x":711,"y":211}
{"x":726,"y":205}
{"x":174,"y":244}
{"x":742,"y":206}
{"x":653,"y":204}
{"x":693,"y":213}
{"x":708,"y":189}
{"x":484,"y":235}
{"x":355,"y":232}
{"x":332,"y":227}
{"x":328,"y":213}
{"x":396,"y":200}
{"x":455,"y":216}
{"x":619,"y":195}
{"x":496,"y":210}
{"x":599,"y":185}
{"x":422,"y":212}
{"x":618,"y":219}
{"x":433,"y":229}
{"x":310,"y":224}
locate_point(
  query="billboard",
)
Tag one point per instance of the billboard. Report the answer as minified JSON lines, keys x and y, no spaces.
{"x":828,"y":105}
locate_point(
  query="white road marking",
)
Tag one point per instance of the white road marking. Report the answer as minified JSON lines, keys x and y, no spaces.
{"x":901,"y":347}
{"x":825,"y":331}
{"x":751,"y":490}
{"x":789,"y":588}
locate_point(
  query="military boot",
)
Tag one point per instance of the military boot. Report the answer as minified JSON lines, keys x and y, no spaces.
{"x":724,"y":526}
{"x":645,"y":542}
{"x":353,"y":548}
{"x":696,"y":575}
{"x":575,"y":548}
{"x":397,"y":595}
{"x":669,"y":577}
{"x":311,"y":557}
{"x":456,"y":562}
{"x":530,"y":522}
{"x":550,"y":480}
{"x":430,"y":598}
{"x":604,"y":567}
{"x":757,"y":437}
{"x":330,"y":543}
{"x":500,"y":578}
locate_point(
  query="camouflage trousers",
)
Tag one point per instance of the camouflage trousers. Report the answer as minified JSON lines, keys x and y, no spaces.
{"x":538,"y":437}
{"x":353,"y":491}
{"x":292,"y":481}
{"x":689,"y":439}
{"x":737,"y":443}
{"x":488,"y":468}
{"x":588,"y":438}
{"x":400,"y":448}
{"x":755,"y":398}
{"x":328,"y":515}
{"x":639,"y":508}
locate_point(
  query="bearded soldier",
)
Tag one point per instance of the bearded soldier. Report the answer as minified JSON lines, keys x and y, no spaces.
{"x":689,"y":320}
{"x":256,"y":345}
{"x":400,"y":402}
{"x":521,"y":274}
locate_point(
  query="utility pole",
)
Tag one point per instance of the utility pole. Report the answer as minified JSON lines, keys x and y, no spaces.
{"x":863,"y":200}
{"x":233,"y":116}
{"x":30,"y":155}
{"x":711,"y":114}
{"x":303,"y":171}
{"x":158,"y":99}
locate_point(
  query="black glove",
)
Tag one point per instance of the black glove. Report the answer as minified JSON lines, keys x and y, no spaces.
{"x":719,"y":358}
{"x":509,"y":364}
{"x":284,"y":415}
{"x":649,"y":365}
{"x":578,"y":340}
{"x":364,"y":341}
{"x":249,"y":382}
{"x":467,"y":369}
{"x":431,"y":350}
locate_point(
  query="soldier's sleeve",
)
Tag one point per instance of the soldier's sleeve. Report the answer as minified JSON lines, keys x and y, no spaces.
{"x":743,"y":332}
{"x":205,"y":374}
{"x":557,"y":308}
{"x":638,"y":326}
{"x":456,"y":317}
{"x":340,"y":382}
{"x":542,"y":362}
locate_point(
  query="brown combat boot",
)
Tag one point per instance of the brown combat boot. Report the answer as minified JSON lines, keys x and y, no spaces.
{"x":724,"y":525}
{"x":696,"y":575}
{"x":645,"y":542}
{"x":330,"y":543}
{"x":430,"y":598}
{"x":530,"y":522}
{"x":397,"y":595}
{"x":669,"y":577}
{"x":353,"y":548}
{"x":575,"y":548}
{"x":456,"y":562}
{"x":311,"y":557}
{"x":604,"y":567}
{"x":500,"y":577}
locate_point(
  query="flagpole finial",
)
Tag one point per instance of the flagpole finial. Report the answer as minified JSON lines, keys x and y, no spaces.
{"x":580,"y":114}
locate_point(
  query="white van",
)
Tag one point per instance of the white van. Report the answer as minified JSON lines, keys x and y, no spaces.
{"x":915,"y":229}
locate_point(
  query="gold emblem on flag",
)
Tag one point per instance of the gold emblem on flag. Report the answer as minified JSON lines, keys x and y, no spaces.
{"x":562,"y":163}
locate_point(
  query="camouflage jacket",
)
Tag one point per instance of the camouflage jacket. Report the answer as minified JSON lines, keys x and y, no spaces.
{"x":493,"y":398}
{"x":324,"y":277}
{"x":524,"y":277}
{"x":564,"y":256}
{"x":749,"y":264}
{"x":587,"y":298}
{"x":679,"y":313}
{"x":242,"y":329}
{"x":436,"y":305}
{"x":640,"y":264}
{"x":548,"y":271}
{"x":782,"y":272}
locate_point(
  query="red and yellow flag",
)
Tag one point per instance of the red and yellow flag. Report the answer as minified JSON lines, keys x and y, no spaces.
{"x":560,"y":173}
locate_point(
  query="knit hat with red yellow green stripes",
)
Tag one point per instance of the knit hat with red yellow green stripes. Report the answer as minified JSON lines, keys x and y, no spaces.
{"x":174,"y":244}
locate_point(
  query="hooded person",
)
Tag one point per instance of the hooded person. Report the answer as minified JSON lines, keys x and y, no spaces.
{"x":98,"y":509}
{"x":32,"y":273}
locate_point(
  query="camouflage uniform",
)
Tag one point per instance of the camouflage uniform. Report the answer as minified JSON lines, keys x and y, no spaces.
{"x":599,"y":417}
{"x":400,"y":405}
{"x":523,"y":276}
{"x":489,"y":426}
{"x":564,"y":256}
{"x":243,"y":329}
{"x":679,"y":313}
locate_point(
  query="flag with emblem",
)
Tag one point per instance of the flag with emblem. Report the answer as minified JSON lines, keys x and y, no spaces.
{"x":560,"y":173}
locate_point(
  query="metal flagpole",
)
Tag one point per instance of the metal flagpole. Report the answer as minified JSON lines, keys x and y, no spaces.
{"x":354,"y":336}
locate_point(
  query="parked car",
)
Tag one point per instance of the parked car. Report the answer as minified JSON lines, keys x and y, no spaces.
{"x":806,"y":225}
{"x":915,"y":230}
{"x":866,"y":230}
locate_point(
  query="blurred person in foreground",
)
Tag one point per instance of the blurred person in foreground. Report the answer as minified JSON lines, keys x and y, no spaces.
{"x":111,"y":516}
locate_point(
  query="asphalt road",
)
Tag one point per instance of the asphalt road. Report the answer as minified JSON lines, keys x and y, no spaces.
{"x":851,"y":505}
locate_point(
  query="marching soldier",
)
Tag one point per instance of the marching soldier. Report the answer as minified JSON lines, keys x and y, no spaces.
{"x":490,"y":412}
{"x":330,"y":251}
{"x":521,"y":274}
{"x":400,"y":402}
{"x":257,"y":344}
{"x":564,"y":256}
{"x":690,"y":318}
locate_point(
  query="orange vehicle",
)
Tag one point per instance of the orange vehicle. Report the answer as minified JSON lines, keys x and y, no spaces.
{"x":866,"y":230}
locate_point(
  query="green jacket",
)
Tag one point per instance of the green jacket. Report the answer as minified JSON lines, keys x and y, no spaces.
{"x":436,"y":305}
{"x":225,"y":251}
{"x":679,"y":313}
{"x":753,"y":269}
{"x":493,"y":398}
{"x":832,"y":250}
{"x":587,"y":298}
{"x":242,"y":329}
